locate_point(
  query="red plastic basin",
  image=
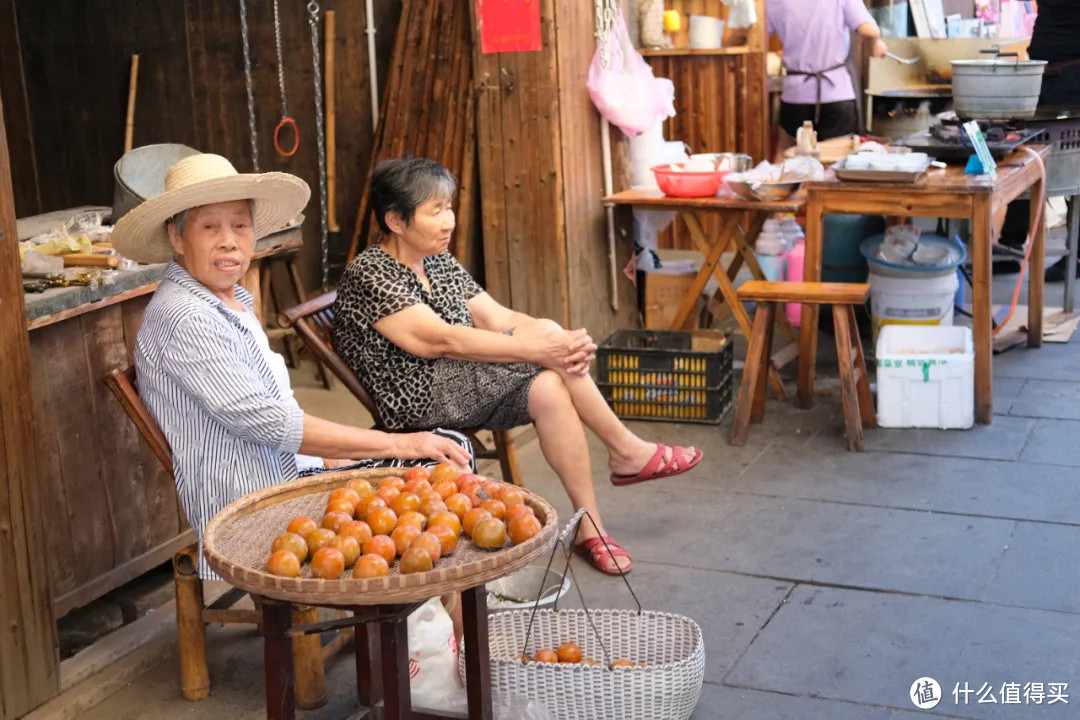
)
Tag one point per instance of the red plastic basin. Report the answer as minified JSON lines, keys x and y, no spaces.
{"x":688,"y":184}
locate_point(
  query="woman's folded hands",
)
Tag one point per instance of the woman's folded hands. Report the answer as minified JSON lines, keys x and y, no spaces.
{"x":553,"y":347}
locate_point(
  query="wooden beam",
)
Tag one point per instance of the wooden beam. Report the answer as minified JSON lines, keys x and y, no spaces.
{"x":28,"y":650}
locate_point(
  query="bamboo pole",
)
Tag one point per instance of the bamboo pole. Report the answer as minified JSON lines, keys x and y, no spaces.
{"x":129,"y":129}
{"x":190,"y":630}
{"x":308,"y":661}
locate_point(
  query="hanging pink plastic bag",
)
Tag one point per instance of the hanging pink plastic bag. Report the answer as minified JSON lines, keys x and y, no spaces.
{"x":622,"y":85}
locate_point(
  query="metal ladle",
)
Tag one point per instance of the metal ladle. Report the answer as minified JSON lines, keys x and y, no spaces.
{"x":902,"y":61}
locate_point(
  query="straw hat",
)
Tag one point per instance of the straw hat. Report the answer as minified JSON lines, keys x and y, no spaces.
{"x":202,"y":180}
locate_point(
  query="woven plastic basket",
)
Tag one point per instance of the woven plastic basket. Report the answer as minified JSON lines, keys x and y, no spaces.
{"x":666,"y":688}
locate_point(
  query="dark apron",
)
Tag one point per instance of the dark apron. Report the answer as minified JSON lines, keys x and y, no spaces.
{"x":819,"y":75}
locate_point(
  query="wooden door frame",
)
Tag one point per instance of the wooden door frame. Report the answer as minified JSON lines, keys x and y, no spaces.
{"x":28,"y":649}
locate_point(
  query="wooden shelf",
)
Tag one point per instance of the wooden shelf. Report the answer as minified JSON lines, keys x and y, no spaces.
{"x":740,"y":50}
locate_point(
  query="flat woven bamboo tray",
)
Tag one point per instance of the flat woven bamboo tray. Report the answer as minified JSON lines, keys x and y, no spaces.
{"x":237,"y":546}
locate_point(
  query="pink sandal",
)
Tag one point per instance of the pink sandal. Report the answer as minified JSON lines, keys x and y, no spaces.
{"x":657,"y":467}
{"x":601,"y":553}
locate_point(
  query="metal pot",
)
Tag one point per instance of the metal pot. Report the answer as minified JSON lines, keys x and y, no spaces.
{"x":997,"y":89}
{"x":139,"y":174}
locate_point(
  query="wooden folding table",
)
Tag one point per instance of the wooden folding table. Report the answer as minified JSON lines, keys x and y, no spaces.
{"x":947,"y":193}
{"x":740,"y":223}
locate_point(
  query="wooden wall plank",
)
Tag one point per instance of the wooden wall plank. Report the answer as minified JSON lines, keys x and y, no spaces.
{"x":17,"y":113}
{"x":28,"y":651}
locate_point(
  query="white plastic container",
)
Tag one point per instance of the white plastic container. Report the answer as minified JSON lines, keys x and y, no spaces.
{"x":912,"y":300}
{"x":925,"y":377}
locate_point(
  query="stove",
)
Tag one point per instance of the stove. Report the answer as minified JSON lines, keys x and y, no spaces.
{"x":948,"y":141}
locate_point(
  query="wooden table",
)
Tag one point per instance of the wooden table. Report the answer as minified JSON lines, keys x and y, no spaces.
{"x":740,"y":223}
{"x":945,"y":193}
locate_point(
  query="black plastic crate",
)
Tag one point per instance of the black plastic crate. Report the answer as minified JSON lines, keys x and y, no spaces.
{"x":666,"y":375}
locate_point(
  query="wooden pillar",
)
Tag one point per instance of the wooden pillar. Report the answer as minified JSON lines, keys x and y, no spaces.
{"x":29,"y":662}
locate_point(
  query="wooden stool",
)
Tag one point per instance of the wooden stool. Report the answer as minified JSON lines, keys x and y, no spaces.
{"x":854,"y":384}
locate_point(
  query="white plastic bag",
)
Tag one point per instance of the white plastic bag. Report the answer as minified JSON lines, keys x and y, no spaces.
{"x":433,"y":659}
{"x":624,"y":89}
{"x":742,"y":14}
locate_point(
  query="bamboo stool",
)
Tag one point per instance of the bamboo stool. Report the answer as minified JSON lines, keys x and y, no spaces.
{"x":857,"y":401}
{"x":192,"y":613}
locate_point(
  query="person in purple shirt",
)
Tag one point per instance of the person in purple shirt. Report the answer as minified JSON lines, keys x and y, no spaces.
{"x":817,"y":41}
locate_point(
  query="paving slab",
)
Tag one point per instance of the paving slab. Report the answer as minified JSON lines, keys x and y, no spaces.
{"x":1054,"y":442}
{"x":1006,"y":390}
{"x":730,"y":608}
{"x":918,"y":482}
{"x":829,"y":543}
{"x":1002,"y":440}
{"x":868,"y":647}
{"x":1048,"y":399}
{"x":1039,"y":569}
{"x":1053,"y":361}
{"x":725,"y":703}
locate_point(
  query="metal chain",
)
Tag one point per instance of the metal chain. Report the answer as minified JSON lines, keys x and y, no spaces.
{"x":605,"y":13}
{"x":250,"y":91}
{"x":280,"y":59}
{"x":313,"y":21}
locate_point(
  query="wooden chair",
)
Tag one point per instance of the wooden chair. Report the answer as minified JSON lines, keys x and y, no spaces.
{"x":314,"y":322}
{"x":857,"y":401}
{"x":192,"y":613}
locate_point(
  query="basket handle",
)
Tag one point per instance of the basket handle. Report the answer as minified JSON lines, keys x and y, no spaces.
{"x":575,"y":525}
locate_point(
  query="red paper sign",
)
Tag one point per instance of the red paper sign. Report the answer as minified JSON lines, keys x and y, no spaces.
{"x":509,"y":25}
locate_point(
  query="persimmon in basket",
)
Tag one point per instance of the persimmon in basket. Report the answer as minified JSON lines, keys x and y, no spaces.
{"x":371,"y":566}
{"x":429,"y":542}
{"x":405,"y":502}
{"x":318,"y":539}
{"x":382,"y":521}
{"x":327,"y":563}
{"x":495,"y":507}
{"x":513,"y":511}
{"x":381,"y":545}
{"x":443,"y":472}
{"x":569,"y":652}
{"x":458,"y":504}
{"x":336,"y":520}
{"x":446,"y":536}
{"x":472,"y":517}
{"x":544,"y":655}
{"x":489,"y":534}
{"x":522,"y":528}
{"x":348,"y":547}
{"x":301,"y":526}
{"x":345,"y":493}
{"x":283,"y":563}
{"x":341,"y":505}
{"x":357,"y":529}
{"x":419,"y":472}
{"x":291,"y":542}
{"x":445,"y":519}
{"x":412,"y":518}
{"x":361,"y":487}
{"x":415,"y":560}
{"x":403,"y":536}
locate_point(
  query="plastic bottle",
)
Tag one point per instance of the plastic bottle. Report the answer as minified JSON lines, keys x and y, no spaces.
{"x":769,"y":248}
{"x":795,"y":274}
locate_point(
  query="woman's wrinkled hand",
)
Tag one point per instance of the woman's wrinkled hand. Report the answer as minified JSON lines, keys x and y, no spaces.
{"x":582,"y":353}
{"x":557,"y":349}
{"x":425,"y":445}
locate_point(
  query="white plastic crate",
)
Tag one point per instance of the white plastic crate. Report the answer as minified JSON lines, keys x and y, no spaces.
{"x":925,"y":377}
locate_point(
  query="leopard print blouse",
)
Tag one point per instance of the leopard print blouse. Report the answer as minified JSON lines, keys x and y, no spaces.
{"x":376,"y":285}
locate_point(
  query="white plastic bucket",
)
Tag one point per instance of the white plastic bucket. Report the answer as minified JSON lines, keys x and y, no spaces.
{"x":912,"y":300}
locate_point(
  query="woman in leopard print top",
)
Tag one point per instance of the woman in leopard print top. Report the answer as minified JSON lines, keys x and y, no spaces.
{"x":435,"y":350}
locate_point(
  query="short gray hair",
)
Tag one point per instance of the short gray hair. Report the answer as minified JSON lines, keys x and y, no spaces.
{"x":403,"y":184}
{"x":180,"y":219}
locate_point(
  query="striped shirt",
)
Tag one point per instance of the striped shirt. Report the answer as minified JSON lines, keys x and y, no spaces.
{"x":205,"y":381}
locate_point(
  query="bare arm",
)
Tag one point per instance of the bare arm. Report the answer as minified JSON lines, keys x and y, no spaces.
{"x":871,"y":31}
{"x":489,"y":314}
{"x":329,"y":439}
{"x":419,"y":331}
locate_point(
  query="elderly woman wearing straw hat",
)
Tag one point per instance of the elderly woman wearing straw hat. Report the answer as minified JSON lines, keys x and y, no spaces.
{"x":206,"y":371}
{"x":435,"y":350}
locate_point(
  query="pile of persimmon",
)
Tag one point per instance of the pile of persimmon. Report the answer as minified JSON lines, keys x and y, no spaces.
{"x":415,"y":520}
{"x":569,"y":653}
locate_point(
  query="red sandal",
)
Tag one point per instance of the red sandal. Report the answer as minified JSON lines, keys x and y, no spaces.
{"x":601,"y":553}
{"x":657,"y":467}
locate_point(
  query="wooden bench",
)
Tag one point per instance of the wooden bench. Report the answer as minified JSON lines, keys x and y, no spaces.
{"x":854,"y":383}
